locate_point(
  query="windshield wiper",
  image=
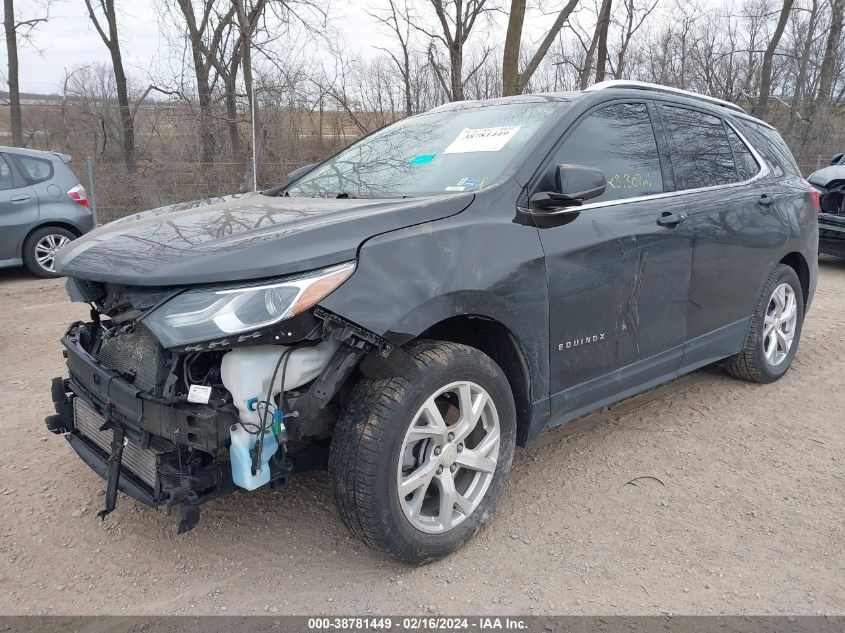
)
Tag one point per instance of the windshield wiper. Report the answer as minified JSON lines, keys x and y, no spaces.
{"x":344,"y":194}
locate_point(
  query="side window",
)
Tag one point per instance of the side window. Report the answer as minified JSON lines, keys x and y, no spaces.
{"x":7,"y":178}
{"x":619,"y":140}
{"x":771,"y":146}
{"x":746,"y":164}
{"x":701,"y":154}
{"x":35,"y":169}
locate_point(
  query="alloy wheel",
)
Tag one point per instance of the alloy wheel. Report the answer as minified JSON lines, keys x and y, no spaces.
{"x":448,"y":457}
{"x":779,"y":325}
{"x":45,"y":250}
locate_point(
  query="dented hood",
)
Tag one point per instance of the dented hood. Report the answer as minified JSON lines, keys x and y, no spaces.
{"x":241,"y":237}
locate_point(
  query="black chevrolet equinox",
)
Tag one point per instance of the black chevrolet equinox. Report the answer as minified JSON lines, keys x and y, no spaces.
{"x":409,"y":310}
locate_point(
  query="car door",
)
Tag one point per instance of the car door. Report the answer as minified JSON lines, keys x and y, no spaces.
{"x":18,"y":209}
{"x":737,"y":227}
{"x":618,"y":266}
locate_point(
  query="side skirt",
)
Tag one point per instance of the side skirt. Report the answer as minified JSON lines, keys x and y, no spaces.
{"x":574,"y":402}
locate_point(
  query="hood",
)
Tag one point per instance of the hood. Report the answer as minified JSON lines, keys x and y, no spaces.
{"x":824,"y":176}
{"x":241,"y":237}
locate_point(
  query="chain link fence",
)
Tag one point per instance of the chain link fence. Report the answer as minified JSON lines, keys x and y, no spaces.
{"x":115,"y":194}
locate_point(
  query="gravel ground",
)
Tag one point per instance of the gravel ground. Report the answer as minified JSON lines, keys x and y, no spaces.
{"x":738,"y":508}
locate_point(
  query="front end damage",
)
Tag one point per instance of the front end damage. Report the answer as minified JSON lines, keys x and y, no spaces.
{"x":832,"y":214}
{"x":183,"y":425}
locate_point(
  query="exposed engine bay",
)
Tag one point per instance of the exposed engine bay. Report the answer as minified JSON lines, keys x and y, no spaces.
{"x":830,"y":183}
{"x":180,"y":426}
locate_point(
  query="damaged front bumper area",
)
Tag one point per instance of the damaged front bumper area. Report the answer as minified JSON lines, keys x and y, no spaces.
{"x":832,"y":219}
{"x":832,"y":234}
{"x":124,"y":408}
{"x":168,"y":450}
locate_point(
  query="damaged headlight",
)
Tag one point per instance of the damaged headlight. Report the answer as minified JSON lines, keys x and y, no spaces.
{"x":201,"y":315}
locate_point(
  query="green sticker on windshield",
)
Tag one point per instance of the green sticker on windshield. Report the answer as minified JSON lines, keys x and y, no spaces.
{"x":422,"y":159}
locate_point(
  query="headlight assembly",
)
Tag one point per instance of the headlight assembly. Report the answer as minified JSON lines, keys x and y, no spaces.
{"x":202,"y":315}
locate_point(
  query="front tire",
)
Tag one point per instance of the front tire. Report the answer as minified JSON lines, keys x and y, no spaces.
{"x":775,"y":330}
{"x":418,"y":462}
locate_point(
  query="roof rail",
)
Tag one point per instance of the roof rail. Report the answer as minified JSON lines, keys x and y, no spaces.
{"x":644,"y":85}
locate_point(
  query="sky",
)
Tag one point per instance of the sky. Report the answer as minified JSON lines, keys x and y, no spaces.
{"x":69,"y":39}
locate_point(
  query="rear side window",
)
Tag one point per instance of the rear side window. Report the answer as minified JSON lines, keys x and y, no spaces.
{"x":771,"y":146}
{"x":7,"y":177}
{"x":619,"y":140}
{"x":701,"y":153}
{"x":35,"y":169}
{"x":746,"y":164}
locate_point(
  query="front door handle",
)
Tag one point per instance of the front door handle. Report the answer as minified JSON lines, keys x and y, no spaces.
{"x":21,"y":198}
{"x":766,"y":200}
{"x":671,"y":219}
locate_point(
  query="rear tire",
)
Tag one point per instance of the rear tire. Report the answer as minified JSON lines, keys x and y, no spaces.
{"x":40,"y":247}
{"x":397,"y":432}
{"x":775,"y":330}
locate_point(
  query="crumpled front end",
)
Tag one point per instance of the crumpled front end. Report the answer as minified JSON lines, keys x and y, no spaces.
{"x":180,"y":425}
{"x":831,"y":190}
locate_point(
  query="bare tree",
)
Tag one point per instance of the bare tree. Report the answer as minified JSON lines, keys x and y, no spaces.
{"x":601,"y":39}
{"x":398,"y":19}
{"x":514,"y":81}
{"x":112,"y":43}
{"x":205,"y":36}
{"x":803,"y":63}
{"x":13,"y":30}
{"x":597,"y":49}
{"x":456,"y":19}
{"x":762,"y":104}
{"x":830,"y":63}
{"x":634,"y":20}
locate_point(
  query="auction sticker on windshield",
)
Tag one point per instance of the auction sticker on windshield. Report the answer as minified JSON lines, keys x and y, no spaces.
{"x":485,"y":139}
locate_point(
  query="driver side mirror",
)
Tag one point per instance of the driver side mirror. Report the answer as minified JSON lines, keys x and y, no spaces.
{"x":836,"y":159}
{"x":573,"y":185}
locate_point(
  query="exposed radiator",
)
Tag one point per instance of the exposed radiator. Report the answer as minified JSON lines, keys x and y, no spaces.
{"x":139,"y":461}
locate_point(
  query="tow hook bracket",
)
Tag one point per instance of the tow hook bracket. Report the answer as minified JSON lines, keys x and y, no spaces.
{"x":115,"y":460}
{"x":61,"y":421}
{"x":189,"y":509}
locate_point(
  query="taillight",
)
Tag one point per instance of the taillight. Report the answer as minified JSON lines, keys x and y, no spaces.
{"x":815,"y":199}
{"x":78,"y":195}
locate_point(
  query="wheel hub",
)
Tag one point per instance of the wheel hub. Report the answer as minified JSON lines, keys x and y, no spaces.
{"x":779,"y":324}
{"x":448,"y":457}
{"x":450,"y":454}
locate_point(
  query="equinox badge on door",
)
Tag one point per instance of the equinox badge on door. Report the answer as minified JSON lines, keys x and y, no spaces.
{"x":576,"y":342}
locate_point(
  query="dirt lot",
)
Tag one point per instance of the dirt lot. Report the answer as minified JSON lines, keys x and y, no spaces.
{"x":747,"y":515}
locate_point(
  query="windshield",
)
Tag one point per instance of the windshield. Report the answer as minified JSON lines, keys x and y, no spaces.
{"x":438,"y":152}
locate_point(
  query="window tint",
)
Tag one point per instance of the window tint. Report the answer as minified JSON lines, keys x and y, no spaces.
{"x":35,"y":169}
{"x":746,"y":165}
{"x":619,"y":140}
{"x":771,"y":146}
{"x":701,"y":154}
{"x":7,"y":178}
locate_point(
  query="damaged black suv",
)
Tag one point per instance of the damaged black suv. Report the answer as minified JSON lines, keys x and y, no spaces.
{"x":408,"y":311}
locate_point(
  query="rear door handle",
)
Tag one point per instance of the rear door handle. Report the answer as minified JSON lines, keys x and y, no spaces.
{"x":21,"y":198}
{"x":766,"y":200}
{"x":671,"y":219}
